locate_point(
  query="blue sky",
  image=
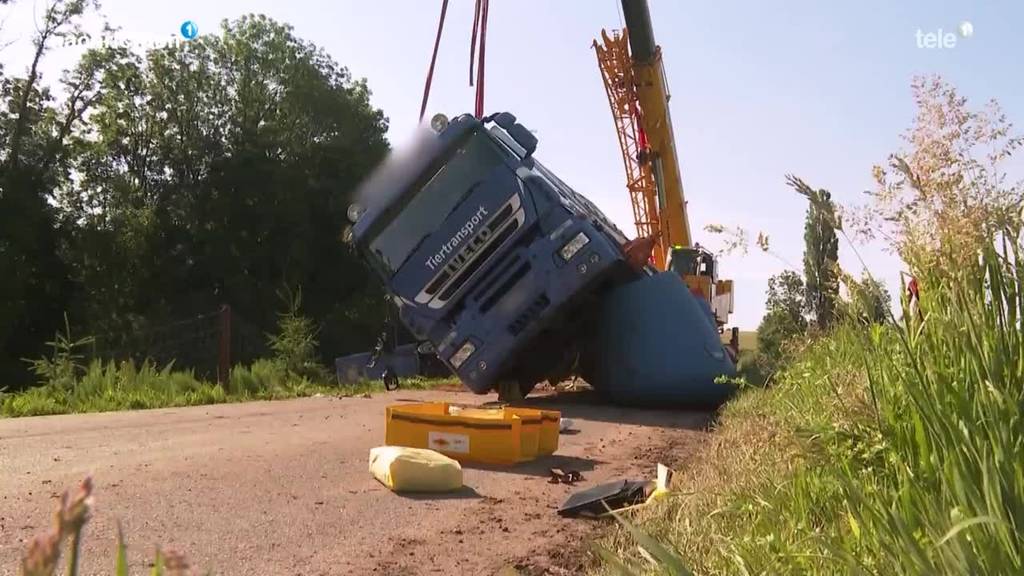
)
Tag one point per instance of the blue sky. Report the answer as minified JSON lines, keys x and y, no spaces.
{"x":759,"y":90}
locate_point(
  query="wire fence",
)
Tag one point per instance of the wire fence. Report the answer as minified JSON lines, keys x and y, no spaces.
{"x":208,"y":344}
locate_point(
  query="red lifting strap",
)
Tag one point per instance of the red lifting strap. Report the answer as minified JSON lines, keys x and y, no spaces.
{"x":479,"y":29}
{"x":480,"y":21}
{"x":433,"y":59}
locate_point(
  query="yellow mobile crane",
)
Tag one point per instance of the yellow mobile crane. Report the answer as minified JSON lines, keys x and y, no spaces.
{"x":634,"y":78}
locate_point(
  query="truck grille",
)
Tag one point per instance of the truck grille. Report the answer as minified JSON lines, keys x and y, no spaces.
{"x":472,"y":257}
{"x":495,"y":274}
{"x":523,"y":321}
{"x":505,"y":287}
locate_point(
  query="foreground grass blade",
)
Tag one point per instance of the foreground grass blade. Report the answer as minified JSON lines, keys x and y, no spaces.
{"x":121,"y":564}
{"x":158,"y":565}
{"x":618,"y":566}
{"x":666,"y":558}
{"x":964,"y":524}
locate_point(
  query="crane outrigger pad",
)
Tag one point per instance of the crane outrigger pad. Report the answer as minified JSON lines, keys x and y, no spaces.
{"x":654,"y":343}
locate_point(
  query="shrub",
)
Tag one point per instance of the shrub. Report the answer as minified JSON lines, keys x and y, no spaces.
{"x":295,"y":344}
{"x":64,"y":365}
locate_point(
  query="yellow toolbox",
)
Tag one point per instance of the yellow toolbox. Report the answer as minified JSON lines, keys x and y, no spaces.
{"x":502,"y":435}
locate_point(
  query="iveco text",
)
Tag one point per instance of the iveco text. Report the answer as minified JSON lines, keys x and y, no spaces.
{"x":457,"y":239}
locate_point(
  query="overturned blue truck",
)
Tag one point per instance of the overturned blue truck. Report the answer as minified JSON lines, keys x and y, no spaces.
{"x":513,"y":278}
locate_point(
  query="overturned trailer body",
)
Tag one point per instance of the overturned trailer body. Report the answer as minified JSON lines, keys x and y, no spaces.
{"x":514,"y":277}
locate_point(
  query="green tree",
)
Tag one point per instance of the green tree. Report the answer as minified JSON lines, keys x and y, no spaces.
{"x":869,"y":300}
{"x":784,"y":315}
{"x":34,"y":128}
{"x":295,"y":343}
{"x":213,"y":171}
{"x":821,"y":253}
{"x":151,"y":187}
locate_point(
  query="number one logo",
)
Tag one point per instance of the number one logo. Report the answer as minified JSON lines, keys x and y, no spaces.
{"x":189,"y":29}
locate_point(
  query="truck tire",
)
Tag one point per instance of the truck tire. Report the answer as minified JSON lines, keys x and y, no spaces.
{"x":390,"y":380}
{"x":513,"y":390}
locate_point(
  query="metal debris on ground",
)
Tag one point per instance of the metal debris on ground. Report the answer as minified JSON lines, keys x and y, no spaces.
{"x":595,"y":502}
{"x":617,"y":496}
{"x":559,"y":476}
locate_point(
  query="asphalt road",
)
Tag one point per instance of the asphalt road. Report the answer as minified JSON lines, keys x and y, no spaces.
{"x":282,"y":487}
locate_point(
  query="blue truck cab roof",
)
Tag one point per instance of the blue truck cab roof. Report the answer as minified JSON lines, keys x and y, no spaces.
{"x":395,"y":180}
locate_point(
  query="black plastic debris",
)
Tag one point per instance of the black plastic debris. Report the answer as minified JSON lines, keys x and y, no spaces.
{"x":596,"y":501}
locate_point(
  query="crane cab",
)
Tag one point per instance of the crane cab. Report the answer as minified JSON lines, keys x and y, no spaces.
{"x":698,"y":267}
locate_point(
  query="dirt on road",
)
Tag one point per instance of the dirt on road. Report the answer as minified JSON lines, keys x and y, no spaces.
{"x":282,"y":488}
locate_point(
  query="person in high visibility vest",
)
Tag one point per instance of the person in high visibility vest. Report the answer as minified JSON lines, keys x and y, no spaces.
{"x":913,"y":297}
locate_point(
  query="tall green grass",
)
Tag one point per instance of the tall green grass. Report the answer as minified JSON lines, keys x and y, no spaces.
{"x":949,"y":403}
{"x":894,"y":449}
{"x":109,"y":386}
{"x":70,"y":385}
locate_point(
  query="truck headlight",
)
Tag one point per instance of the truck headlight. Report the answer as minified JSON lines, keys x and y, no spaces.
{"x":438,"y":123}
{"x":573,"y":246}
{"x":463,"y":353}
{"x":355,"y":212}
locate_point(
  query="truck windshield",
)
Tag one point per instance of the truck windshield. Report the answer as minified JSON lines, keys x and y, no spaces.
{"x":423,"y":214}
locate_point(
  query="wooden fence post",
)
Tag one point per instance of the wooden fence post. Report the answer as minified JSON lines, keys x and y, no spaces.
{"x":224,"y":346}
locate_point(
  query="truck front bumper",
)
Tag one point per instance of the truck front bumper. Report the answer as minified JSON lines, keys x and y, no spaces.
{"x":502,"y":335}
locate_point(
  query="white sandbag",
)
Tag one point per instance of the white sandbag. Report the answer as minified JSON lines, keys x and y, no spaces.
{"x":405,"y":469}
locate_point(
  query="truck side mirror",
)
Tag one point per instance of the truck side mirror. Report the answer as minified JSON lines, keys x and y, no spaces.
{"x":523,"y":137}
{"x":505,"y":119}
{"x":517,"y":131}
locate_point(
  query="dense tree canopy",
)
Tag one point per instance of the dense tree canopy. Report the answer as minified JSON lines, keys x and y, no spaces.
{"x":159,"y":186}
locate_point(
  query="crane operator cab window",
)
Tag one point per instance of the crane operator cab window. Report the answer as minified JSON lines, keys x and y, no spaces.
{"x":694,"y":261}
{"x":683,"y":261}
{"x":706,"y":264}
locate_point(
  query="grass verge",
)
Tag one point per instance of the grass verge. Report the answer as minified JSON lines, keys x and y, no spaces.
{"x":877,"y":450}
{"x":111,"y":386}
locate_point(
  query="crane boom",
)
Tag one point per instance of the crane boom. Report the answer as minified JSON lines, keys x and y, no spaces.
{"x":617,"y":73}
{"x":656,"y":120}
{"x":634,"y":79}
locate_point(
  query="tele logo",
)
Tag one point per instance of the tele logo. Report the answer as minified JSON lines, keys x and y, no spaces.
{"x":939,"y":39}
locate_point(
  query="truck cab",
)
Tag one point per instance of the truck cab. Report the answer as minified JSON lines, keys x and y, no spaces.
{"x":485,"y":252}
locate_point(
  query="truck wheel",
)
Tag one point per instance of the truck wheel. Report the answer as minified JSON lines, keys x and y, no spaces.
{"x":390,"y":380}
{"x":511,"y":390}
